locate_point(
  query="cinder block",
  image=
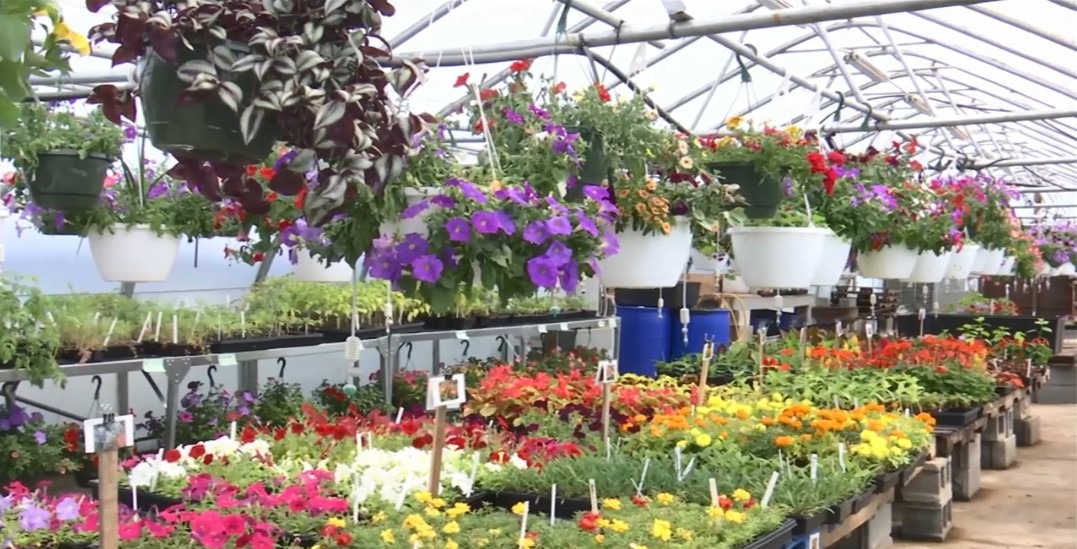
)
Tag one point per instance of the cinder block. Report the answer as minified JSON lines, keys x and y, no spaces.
{"x":932,"y":485}
{"x":1022,"y":407}
{"x":1027,"y":431}
{"x":999,"y":427}
{"x":923,"y":521}
{"x":999,"y":454}
{"x":967,"y":469}
{"x":874,"y":534}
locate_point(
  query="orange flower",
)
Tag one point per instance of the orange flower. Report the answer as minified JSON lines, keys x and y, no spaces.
{"x":784,"y":441}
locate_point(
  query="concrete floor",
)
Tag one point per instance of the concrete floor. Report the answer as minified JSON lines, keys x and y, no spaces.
{"x":1033,"y":504}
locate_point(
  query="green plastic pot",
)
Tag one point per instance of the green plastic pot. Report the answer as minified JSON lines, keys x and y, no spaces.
{"x":762,"y":193}
{"x":63,"y":181}
{"x":595,"y":167}
{"x":206,"y":130}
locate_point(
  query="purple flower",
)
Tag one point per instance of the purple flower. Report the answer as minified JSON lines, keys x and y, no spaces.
{"x":513,"y":116}
{"x":471,"y":192}
{"x":381,"y":263}
{"x":536,"y":232}
{"x":411,"y":247}
{"x":485,"y":222}
{"x":559,"y":225}
{"x":570,"y":277}
{"x":512,"y":194}
{"x":787,"y":185}
{"x":539,"y":112}
{"x":40,"y":438}
{"x":186,"y":417}
{"x":610,"y":244}
{"x":542,"y":272}
{"x":67,"y":509}
{"x":586,"y":224}
{"x":459,"y":230}
{"x":415,"y":209}
{"x":284,"y":160}
{"x":427,"y":269}
{"x":33,"y":518}
{"x":571,"y":181}
{"x":565,"y":145}
{"x":555,"y":205}
{"x":558,"y":253}
{"x":443,"y":201}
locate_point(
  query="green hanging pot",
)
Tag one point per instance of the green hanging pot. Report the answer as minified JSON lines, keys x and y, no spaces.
{"x":595,"y":166}
{"x":206,"y":130}
{"x":66,"y":182}
{"x":762,"y":193}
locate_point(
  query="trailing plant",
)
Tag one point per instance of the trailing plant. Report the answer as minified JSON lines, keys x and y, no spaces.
{"x":44,"y":128}
{"x":29,"y":341}
{"x":21,"y":57}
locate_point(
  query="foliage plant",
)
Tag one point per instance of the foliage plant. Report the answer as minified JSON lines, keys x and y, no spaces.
{"x":510,"y":237}
{"x":29,"y":447}
{"x":29,"y":341}
{"x":44,"y":128}
{"x":277,"y":403}
{"x":985,"y":205}
{"x":205,"y":415}
{"x":21,"y":58}
{"x":774,"y":152}
{"x":318,"y":80}
{"x":1056,"y":241}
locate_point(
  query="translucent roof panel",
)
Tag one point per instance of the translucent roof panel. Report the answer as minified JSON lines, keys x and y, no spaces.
{"x":977,"y":58}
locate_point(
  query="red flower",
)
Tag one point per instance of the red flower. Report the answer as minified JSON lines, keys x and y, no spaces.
{"x":257,"y":257}
{"x":172,"y":456}
{"x":343,"y":539}
{"x":603,"y":93}
{"x":251,"y":170}
{"x":520,"y":65}
{"x":461,"y":80}
{"x":559,"y":87}
{"x":196,"y":451}
{"x":836,"y":157}
{"x":639,"y":500}
{"x":589,"y":521}
{"x":488,"y":94}
{"x":267,"y":173}
{"x":300,"y":197}
{"x":725,"y":503}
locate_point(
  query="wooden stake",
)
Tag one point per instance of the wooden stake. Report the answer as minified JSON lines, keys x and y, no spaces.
{"x":108,"y":463}
{"x":434,"y":484}
{"x":606,"y":398}
{"x":704,"y":371}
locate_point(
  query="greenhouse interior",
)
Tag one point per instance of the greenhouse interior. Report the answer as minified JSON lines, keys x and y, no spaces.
{"x":460,"y":274}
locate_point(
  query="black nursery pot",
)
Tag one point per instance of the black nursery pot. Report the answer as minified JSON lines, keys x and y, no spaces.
{"x":806,"y":524}
{"x":839,"y":512}
{"x":957,"y":418}
{"x":762,"y":193}
{"x":66,"y":182}
{"x":566,"y":509}
{"x":776,"y":539}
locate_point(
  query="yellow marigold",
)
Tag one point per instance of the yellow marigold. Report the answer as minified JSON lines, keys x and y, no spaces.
{"x":450,"y":544}
{"x":599,"y":538}
{"x":735,"y":516}
{"x":519,"y":508}
{"x":611,"y":503}
{"x":451,"y":527}
{"x":457,"y":510}
{"x":741,"y":494}
{"x":703,"y":440}
{"x":379,"y":517}
{"x":619,"y":526}
{"x":423,"y":496}
{"x":665,"y":498}
{"x":388,"y":536}
{"x":336,"y":522}
{"x":662,"y":529}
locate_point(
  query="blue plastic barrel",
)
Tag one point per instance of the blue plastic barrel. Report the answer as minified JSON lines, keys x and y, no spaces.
{"x":701,"y":325}
{"x":645,"y":339}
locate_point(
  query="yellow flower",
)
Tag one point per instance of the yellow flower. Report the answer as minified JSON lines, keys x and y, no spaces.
{"x":636,"y":546}
{"x":518,"y":509}
{"x":611,"y":503}
{"x":682,"y":444}
{"x":661,"y":529}
{"x":77,"y":41}
{"x":451,"y":528}
{"x":741,"y":494}
{"x":380,"y":516}
{"x":904,"y":443}
{"x":457,"y":510}
{"x":336,"y":522}
{"x":437,"y":503}
{"x":388,"y":536}
{"x":735,"y":516}
{"x":684,"y":534}
{"x":715,"y":512}
{"x":599,"y":538}
{"x":703,"y":440}
{"x":450,"y":544}
{"x":619,"y":526}
{"x":423,"y":496}
{"x":665,"y":498}
{"x":686,"y":163}
{"x":733,"y":122}
{"x":432,"y":512}
{"x":494,"y":532}
{"x":525,"y":543}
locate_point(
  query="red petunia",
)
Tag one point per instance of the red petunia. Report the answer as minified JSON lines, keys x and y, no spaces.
{"x":520,"y":65}
{"x":461,"y":80}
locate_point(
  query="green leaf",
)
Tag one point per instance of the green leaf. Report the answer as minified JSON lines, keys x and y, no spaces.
{"x":14,"y":36}
{"x":9,"y":113}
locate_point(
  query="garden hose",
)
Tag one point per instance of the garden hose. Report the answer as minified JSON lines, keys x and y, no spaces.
{"x":738,"y":310}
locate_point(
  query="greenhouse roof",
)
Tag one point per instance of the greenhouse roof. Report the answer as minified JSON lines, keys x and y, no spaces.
{"x":986,"y":84}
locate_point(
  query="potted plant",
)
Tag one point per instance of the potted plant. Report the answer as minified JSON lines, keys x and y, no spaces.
{"x":985,"y":206}
{"x":30,"y":449}
{"x":62,"y":157}
{"x":779,"y":252}
{"x":29,"y":341}
{"x":22,"y":57}
{"x":934,"y":232}
{"x":757,"y":159}
{"x":1058,"y":244}
{"x":223,"y":80}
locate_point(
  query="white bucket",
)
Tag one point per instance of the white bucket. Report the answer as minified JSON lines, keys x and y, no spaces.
{"x":307,"y":268}
{"x":648,"y":261}
{"x":133,"y":254}
{"x":778,"y":257}
{"x":416,"y":224}
{"x":988,"y":262}
{"x":832,"y":260}
{"x":930,"y":268}
{"x":891,"y":262}
{"x":1009,"y":264}
{"x":961,"y":262}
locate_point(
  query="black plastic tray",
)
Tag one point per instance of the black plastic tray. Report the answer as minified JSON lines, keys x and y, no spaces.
{"x":957,"y":418}
{"x":839,"y":512}
{"x":908,"y":469}
{"x":776,"y":539}
{"x":806,"y":524}
{"x":863,"y":499}
{"x":148,"y":502}
{"x":263,"y":343}
{"x":887,"y":481}
{"x":330,"y":335}
{"x":567,"y":508}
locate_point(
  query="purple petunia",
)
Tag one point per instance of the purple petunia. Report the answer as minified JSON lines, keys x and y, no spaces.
{"x":412,"y":246}
{"x":586,"y":224}
{"x":542,"y":272}
{"x":33,"y":518}
{"x":610,"y":244}
{"x":472,"y":192}
{"x":569,"y":276}
{"x":443,"y":201}
{"x":40,"y":438}
{"x":68,"y":509}
{"x":558,"y":253}
{"x":536,"y":232}
{"x":512,"y":116}
{"x":459,"y":230}
{"x":427,"y":269}
{"x":559,"y":225}
{"x":415,"y":209}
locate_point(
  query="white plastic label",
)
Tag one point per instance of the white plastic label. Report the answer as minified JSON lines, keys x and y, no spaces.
{"x":153,"y":365}
{"x":461,"y":334}
{"x":226,"y":360}
{"x":542,"y":329}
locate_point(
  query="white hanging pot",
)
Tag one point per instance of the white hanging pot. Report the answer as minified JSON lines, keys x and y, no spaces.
{"x":1045,"y":269}
{"x":930,"y":268}
{"x":778,"y":257}
{"x":648,"y":261}
{"x":1066,"y":269}
{"x":416,"y":224}
{"x":988,"y":262}
{"x":832,"y":260}
{"x":307,"y":268}
{"x":735,"y":285}
{"x":701,"y":262}
{"x":1009,"y":264}
{"x":891,"y":262}
{"x":961,"y":262}
{"x":133,"y":254}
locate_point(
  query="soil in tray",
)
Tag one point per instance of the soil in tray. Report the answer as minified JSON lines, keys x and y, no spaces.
{"x":957,"y":418}
{"x":282,"y":341}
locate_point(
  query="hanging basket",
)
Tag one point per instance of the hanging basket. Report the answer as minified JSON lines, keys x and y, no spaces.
{"x":778,"y":257}
{"x":133,"y":254}
{"x":648,"y":261}
{"x":416,"y":224}
{"x":891,"y":262}
{"x":307,"y":268}
{"x":988,"y":262}
{"x":1009,"y":265}
{"x":595,"y":165}
{"x":762,"y":193}
{"x":930,"y":268}
{"x":66,"y":182}
{"x":718,"y":263}
{"x":962,"y":261}
{"x":1066,"y":269}
{"x":205,"y":130}
{"x":832,"y":260}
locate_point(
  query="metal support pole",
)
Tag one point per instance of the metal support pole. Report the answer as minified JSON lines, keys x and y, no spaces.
{"x":1021,"y":24}
{"x":1026,"y":162}
{"x":425,"y":22}
{"x":944,"y":122}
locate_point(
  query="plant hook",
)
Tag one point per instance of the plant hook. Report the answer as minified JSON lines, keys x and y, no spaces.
{"x":466,"y":344}
{"x":283,"y":364}
{"x":209,"y":373}
{"x":96,"y":380}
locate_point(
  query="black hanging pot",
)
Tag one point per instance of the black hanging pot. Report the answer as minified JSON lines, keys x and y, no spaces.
{"x":763,"y":193}
{"x":205,"y":130}
{"x":594,"y":166}
{"x":67,"y":182}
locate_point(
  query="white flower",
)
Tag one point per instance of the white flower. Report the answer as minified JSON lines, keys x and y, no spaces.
{"x":517,"y":462}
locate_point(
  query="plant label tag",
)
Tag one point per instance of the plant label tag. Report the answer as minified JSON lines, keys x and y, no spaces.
{"x":594,"y":494}
{"x":602,"y":323}
{"x":769,"y":493}
{"x":563,"y":327}
{"x":542,"y":329}
{"x":841,"y":456}
{"x":462,"y":335}
{"x":449,"y":393}
{"x":226,"y":360}
{"x":1028,"y":368}
{"x":153,"y":365}
{"x":607,"y":371}
{"x":713,"y":485}
{"x":613,"y":322}
{"x":837,"y":328}
{"x":93,"y":430}
{"x":815,"y":467}
{"x":922,"y":313}
{"x":869,"y":329}
{"x":1047,"y":374}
